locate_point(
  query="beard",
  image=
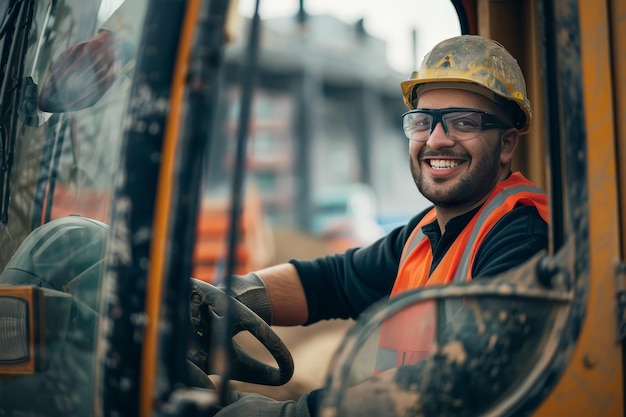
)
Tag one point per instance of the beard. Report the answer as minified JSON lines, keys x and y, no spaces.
{"x":474,"y":184}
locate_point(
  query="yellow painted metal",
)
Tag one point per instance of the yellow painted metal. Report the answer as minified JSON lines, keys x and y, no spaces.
{"x":515,"y":24}
{"x":617,"y":12}
{"x":592,"y":384}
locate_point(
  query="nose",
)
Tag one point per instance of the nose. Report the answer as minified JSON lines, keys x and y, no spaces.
{"x":438,"y":138}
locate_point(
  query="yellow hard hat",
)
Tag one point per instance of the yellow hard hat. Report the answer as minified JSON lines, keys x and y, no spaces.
{"x":477,"y":64}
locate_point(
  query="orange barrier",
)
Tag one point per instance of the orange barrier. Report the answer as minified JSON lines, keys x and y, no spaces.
{"x":254,"y":250}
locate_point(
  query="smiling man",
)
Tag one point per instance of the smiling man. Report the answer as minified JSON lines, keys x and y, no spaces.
{"x":460,"y":147}
{"x":467,"y":109}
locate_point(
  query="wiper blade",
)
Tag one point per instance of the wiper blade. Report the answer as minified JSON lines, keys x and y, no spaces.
{"x":247,"y":86}
{"x":16,"y":38}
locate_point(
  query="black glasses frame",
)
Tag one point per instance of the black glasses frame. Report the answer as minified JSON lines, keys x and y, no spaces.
{"x":488,"y":120}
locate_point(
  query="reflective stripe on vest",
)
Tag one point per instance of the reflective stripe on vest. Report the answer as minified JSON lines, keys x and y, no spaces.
{"x":407,"y":337}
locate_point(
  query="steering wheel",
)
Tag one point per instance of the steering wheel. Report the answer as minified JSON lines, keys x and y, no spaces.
{"x":207,"y":309}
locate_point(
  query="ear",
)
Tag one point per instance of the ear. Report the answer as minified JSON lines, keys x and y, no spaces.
{"x":510,"y":139}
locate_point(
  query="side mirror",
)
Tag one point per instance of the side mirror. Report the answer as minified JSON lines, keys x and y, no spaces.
{"x":478,"y":348}
{"x":83,"y":73}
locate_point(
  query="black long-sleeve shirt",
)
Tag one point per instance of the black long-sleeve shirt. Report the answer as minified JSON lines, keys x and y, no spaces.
{"x":344,"y":285}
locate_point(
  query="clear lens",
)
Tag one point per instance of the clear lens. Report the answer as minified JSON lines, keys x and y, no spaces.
{"x":453,"y":356}
{"x":463,"y":122}
{"x":417,"y":123}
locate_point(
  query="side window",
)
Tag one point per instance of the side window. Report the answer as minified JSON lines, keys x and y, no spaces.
{"x":63,"y":125}
{"x":66,"y":68}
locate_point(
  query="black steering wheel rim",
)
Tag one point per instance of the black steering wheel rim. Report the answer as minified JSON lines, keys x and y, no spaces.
{"x":208,"y":305}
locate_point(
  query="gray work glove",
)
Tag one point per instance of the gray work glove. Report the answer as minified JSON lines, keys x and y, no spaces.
{"x":256,"y":405}
{"x":251,"y":291}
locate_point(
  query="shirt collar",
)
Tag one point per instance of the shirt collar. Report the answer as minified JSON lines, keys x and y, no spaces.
{"x":454,"y":225}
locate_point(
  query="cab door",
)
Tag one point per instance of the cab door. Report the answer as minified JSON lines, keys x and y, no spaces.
{"x":106,"y":114}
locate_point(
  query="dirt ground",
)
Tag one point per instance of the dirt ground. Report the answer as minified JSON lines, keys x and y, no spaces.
{"x":312,"y":347}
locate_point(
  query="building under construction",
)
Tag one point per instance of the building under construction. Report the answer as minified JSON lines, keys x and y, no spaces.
{"x":324,"y":88}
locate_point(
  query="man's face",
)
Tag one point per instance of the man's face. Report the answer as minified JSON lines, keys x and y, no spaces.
{"x":458,"y":174}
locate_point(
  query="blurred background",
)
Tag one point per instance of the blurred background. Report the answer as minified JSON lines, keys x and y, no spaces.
{"x":326,"y":153}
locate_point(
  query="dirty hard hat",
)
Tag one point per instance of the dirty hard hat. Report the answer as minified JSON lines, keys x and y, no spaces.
{"x":477,"y":64}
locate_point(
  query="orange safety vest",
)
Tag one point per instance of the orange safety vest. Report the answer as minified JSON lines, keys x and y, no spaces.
{"x":407,"y":337}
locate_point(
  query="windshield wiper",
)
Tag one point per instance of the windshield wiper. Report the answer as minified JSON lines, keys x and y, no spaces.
{"x":14,"y":34}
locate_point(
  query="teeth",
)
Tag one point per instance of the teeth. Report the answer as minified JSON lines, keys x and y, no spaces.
{"x":444,"y":163}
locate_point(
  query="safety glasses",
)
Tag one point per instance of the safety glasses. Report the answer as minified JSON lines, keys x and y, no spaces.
{"x":458,"y":123}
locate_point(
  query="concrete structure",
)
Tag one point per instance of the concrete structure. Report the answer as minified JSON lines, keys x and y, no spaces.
{"x":326,"y":110}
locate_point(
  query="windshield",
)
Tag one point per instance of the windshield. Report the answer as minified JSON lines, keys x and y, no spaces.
{"x":61,"y":135}
{"x":64,"y":143}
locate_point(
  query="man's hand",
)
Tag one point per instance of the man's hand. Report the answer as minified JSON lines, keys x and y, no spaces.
{"x":251,"y":291}
{"x":256,"y":405}
{"x":201,"y":316}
